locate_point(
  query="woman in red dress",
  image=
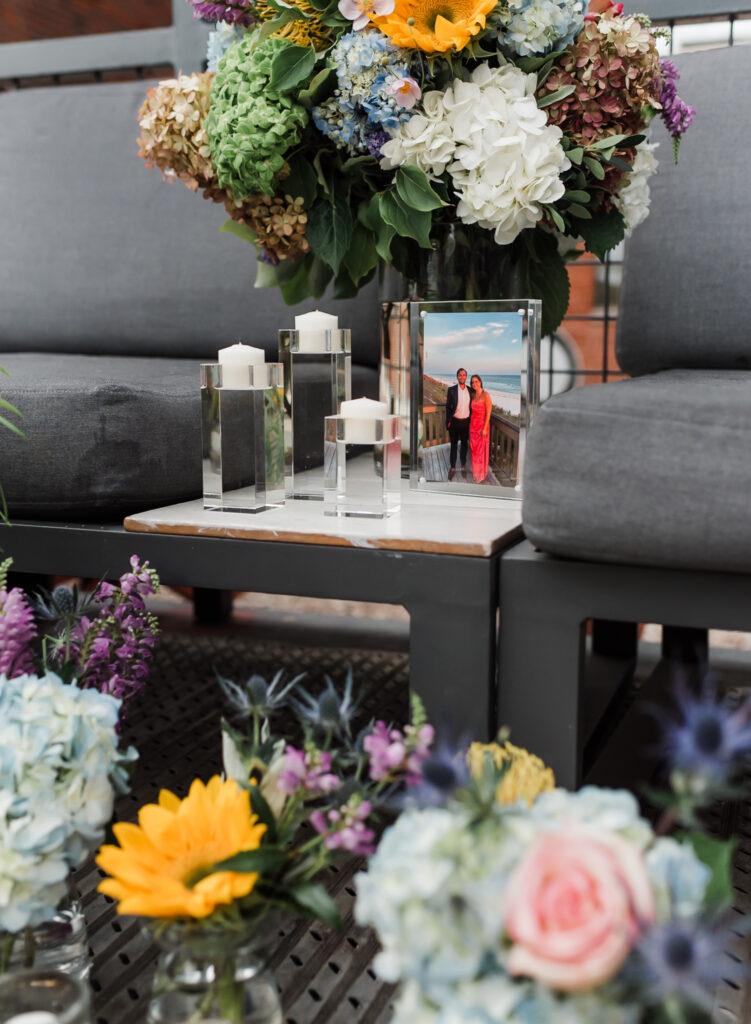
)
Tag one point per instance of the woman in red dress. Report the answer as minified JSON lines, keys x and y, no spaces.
{"x":479,"y":430}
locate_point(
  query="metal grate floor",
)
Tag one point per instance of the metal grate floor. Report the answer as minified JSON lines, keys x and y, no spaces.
{"x":323,"y":976}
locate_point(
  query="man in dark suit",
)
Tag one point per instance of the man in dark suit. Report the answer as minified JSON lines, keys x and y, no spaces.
{"x":458,"y":402}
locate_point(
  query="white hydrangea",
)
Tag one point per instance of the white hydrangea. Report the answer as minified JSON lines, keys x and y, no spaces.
{"x":538,"y":26}
{"x":59,"y":769}
{"x":632,"y":199}
{"x":612,"y":810}
{"x":505,"y":160}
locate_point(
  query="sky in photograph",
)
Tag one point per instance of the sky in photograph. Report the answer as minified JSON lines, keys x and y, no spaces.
{"x":481,"y":342}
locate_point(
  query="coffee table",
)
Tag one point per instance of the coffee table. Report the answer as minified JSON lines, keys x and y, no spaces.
{"x":438,"y":557}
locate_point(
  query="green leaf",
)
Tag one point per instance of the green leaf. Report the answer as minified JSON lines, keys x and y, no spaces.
{"x":344,"y":286}
{"x":717,"y":854}
{"x":609,"y":142}
{"x":297,"y":287}
{"x":242,"y":231}
{"x":362,"y":255}
{"x":554,"y":97}
{"x":368,"y":215}
{"x":291,"y":66}
{"x":270,"y":27}
{"x":330,"y":226}
{"x":321,"y":87}
{"x":575,"y":155}
{"x":407,"y":223}
{"x":314,"y":901}
{"x":5,"y":404}
{"x":268,"y":276}
{"x":11,"y":426}
{"x":319,"y":276}
{"x":301,"y":180}
{"x":595,"y":167}
{"x":415,"y":190}
{"x":603,"y":232}
{"x":557,"y":219}
{"x":259,"y":805}
{"x":548,"y":280}
{"x":616,"y":161}
{"x":576,"y":196}
{"x":579,"y":211}
{"x":530,"y":64}
{"x":264,"y":859}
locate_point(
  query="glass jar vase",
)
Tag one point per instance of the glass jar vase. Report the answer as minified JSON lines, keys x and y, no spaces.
{"x":44,"y":996}
{"x":217,"y":976}
{"x":59,"y":944}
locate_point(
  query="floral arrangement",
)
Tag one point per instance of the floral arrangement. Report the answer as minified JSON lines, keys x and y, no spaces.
{"x":60,"y":767}
{"x":341,"y":133}
{"x":103,"y":640}
{"x":235,"y":850}
{"x":565,"y":907}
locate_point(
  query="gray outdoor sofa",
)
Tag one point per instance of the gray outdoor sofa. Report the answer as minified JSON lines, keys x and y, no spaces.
{"x":114,"y":286}
{"x":637,"y":494}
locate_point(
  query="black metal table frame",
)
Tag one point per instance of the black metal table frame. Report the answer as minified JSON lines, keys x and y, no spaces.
{"x":452,"y":600}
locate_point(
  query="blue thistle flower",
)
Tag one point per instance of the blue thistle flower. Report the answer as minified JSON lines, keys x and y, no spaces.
{"x":256,"y":696}
{"x":331,"y":713}
{"x":710,"y":738}
{"x":443,"y":773}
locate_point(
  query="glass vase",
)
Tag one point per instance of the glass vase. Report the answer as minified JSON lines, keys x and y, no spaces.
{"x":213,"y":977}
{"x":35,"y":997}
{"x":59,"y":944}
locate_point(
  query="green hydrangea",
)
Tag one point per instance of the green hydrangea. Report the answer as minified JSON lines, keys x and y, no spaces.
{"x":250,"y":125}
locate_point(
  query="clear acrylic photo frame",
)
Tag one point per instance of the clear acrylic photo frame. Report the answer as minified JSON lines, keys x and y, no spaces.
{"x":511,"y":485}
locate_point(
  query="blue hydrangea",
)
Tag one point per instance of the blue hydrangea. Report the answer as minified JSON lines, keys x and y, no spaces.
{"x":534,"y":27}
{"x":366,"y":63}
{"x":219,"y":42}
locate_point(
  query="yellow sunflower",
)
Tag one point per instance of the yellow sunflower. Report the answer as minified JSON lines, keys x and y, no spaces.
{"x":434,"y":25}
{"x":158,"y":869}
{"x":526,"y":778}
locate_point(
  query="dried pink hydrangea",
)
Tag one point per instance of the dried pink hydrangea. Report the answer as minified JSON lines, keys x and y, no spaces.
{"x":17,"y":631}
{"x":615,"y":67}
{"x":173,"y":133}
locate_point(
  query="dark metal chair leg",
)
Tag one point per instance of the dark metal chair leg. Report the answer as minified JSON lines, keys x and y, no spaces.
{"x":212,"y":607}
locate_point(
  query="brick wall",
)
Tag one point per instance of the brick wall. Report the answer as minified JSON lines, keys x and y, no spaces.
{"x":49,"y":19}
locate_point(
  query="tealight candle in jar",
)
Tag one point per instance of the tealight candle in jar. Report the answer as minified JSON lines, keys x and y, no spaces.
{"x":235,"y":360}
{"x":311,"y":328}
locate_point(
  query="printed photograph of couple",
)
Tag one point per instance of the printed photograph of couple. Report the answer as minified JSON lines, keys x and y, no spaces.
{"x":471,"y":398}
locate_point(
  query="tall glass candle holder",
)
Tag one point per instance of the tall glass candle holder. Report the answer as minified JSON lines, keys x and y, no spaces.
{"x":242,"y":437}
{"x":44,"y":997}
{"x":317,"y":379}
{"x":362,"y":466}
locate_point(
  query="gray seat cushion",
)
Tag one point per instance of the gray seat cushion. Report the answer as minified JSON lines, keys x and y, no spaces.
{"x":100,"y":255}
{"x":109,"y":435}
{"x":651,"y":471}
{"x":684,"y":300}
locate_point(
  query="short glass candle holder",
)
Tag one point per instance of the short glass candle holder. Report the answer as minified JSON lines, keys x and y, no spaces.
{"x":362,"y":467}
{"x":317,"y":379}
{"x":243,"y":438}
{"x":44,"y":997}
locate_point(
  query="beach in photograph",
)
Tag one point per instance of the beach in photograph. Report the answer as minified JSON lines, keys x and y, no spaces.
{"x":504,"y":401}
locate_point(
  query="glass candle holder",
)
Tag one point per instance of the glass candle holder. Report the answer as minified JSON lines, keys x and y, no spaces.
{"x":44,"y":997}
{"x":362,"y":467}
{"x":243,"y":438}
{"x":317,"y":379}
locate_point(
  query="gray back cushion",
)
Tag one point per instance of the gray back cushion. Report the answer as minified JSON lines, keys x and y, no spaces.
{"x":100,"y":255}
{"x":686,"y":300}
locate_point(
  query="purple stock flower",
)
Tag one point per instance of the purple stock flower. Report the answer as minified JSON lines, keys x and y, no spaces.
{"x":345,"y":829}
{"x":309,"y":770}
{"x":234,"y":12}
{"x":676,"y":115}
{"x":17,"y":630}
{"x":376,"y":139}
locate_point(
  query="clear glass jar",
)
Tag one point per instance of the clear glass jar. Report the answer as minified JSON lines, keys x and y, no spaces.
{"x":59,"y":944}
{"x":44,"y":997}
{"x":218,"y":976}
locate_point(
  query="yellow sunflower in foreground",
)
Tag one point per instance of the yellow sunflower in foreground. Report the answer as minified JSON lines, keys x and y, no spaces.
{"x":525,"y":779}
{"x":434,"y":26}
{"x":157,"y":869}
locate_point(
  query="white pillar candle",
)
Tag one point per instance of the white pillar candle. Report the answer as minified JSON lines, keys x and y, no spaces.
{"x":312,"y":329}
{"x":235,"y":360}
{"x":33,"y":1017}
{"x":365,"y":411}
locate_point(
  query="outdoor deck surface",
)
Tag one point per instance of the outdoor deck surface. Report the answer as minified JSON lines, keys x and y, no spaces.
{"x":324,"y":977}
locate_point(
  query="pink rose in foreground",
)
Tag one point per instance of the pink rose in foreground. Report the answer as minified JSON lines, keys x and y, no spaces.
{"x":575,"y":906}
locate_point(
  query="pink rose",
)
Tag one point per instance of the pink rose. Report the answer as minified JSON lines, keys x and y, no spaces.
{"x":575,"y":906}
